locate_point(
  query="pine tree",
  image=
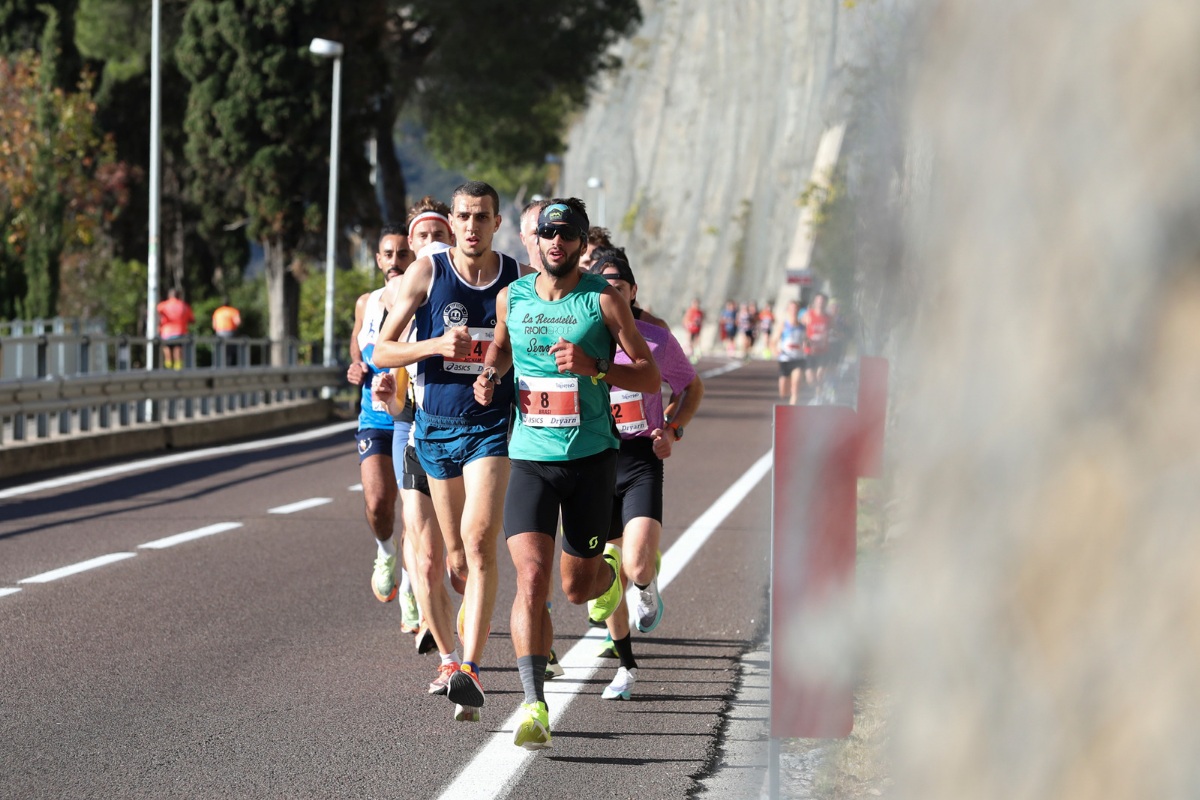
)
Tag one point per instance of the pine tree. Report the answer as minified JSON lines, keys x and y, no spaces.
{"x":253,"y":132}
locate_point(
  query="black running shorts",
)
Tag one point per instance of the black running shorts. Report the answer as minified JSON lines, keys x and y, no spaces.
{"x":639,"y":488}
{"x":414,"y":474}
{"x":582,"y":490}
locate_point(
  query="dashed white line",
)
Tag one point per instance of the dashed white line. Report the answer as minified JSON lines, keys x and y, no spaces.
{"x":82,"y":566}
{"x":495,"y":769}
{"x":8,"y":590}
{"x":292,"y":508}
{"x":187,"y":536}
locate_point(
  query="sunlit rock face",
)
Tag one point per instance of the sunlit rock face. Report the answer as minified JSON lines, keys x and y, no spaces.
{"x":1042,"y":627}
{"x":704,"y":141}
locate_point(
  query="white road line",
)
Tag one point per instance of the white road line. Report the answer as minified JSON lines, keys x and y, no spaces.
{"x":356,"y":487}
{"x":8,"y":591}
{"x":176,"y":458}
{"x":187,"y":536}
{"x":82,"y":566}
{"x":498,"y":765}
{"x":292,"y":508}
{"x":715,"y":371}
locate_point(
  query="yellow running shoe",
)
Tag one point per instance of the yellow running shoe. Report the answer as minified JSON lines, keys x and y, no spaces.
{"x":603,"y":606}
{"x":533,"y":726}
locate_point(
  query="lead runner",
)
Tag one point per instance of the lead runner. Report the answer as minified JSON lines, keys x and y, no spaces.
{"x":558,"y":329}
{"x":463,"y":448}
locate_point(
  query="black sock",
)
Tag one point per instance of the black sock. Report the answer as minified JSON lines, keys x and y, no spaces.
{"x":625,"y":651}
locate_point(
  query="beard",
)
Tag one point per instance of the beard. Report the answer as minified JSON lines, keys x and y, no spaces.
{"x":564,"y":269}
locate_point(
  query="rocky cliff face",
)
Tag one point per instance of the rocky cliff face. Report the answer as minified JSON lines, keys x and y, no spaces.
{"x":705,"y":141}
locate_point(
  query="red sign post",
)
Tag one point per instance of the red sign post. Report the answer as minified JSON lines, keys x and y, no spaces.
{"x":820,"y":453}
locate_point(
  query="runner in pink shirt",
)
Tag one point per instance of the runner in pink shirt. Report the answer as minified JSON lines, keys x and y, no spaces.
{"x":649,"y":431}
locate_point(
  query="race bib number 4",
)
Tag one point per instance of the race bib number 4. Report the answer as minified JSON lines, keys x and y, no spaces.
{"x":549,"y":402}
{"x":628,"y":411}
{"x":472,"y":363}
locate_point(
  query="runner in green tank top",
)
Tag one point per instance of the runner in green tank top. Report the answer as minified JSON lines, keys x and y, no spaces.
{"x":558,"y":330}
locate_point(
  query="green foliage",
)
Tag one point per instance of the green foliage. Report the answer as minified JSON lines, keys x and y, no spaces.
{"x":117,"y":33}
{"x":348,"y":285}
{"x":834,"y":255}
{"x":254,"y":129}
{"x":121,"y":298}
{"x":23,"y":26}
{"x":505,"y":107}
{"x":60,"y":185}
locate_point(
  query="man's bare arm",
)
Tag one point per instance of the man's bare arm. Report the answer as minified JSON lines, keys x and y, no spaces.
{"x":413,"y":291}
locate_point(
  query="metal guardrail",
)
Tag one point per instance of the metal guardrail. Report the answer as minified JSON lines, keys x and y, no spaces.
{"x":58,"y":407}
{"x":37,"y":355}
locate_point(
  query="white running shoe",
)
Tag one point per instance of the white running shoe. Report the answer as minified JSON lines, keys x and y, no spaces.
{"x":466,"y":713}
{"x":410,"y":616}
{"x":649,"y":609}
{"x":383,"y":578}
{"x":621,"y":685}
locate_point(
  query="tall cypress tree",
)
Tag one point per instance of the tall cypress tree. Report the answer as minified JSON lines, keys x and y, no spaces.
{"x":47,"y":205}
{"x":253,"y":131}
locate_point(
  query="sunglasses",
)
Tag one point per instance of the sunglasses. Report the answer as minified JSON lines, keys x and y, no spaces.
{"x":569,"y":233}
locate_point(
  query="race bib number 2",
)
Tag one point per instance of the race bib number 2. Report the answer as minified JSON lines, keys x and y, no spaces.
{"x":549,"y":402}
{"x":628,"y":411}
{"x":472,"y":363}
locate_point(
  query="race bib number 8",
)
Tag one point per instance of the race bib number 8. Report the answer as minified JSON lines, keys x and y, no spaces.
{"x":472,"y":363}
{"x":549,"y":402}
{"x":628,"y":411}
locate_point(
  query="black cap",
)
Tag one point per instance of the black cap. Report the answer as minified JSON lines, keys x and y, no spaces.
{"x":562,"y":214}
{"x":612,"y":257}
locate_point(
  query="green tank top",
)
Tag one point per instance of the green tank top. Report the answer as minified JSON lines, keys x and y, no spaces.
{"x":561,"y":416}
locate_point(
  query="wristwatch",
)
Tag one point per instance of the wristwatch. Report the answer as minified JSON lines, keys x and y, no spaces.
{"x":602,"y":368}
{"x":676,"y":430}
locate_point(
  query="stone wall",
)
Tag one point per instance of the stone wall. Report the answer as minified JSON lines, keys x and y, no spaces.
{"x":705,"y":141}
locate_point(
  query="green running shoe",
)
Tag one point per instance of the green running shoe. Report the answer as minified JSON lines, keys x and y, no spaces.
{"x":608,"y":649}
{"x":410,"y":616}
{"x":383,"y":578}
{"x":603,"y":606}
{"x":533,"y":726}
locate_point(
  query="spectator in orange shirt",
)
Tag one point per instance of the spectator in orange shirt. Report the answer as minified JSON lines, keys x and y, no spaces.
{"x":225,"y":322}
{"x":174,"y":317}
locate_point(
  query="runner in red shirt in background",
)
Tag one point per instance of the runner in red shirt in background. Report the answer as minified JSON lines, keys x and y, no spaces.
{"x":174,"y":317}
{"x":693,"y":320}
{"x":816,"y":341}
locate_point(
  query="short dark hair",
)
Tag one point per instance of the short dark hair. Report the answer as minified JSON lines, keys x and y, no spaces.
{"x":612,"y":256}
{"x":391,"y":229}
{"x":478,"y":189}
{"x":599,"y":237}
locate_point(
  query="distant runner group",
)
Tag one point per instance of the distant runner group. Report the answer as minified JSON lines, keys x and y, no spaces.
{"x":499,"y":396}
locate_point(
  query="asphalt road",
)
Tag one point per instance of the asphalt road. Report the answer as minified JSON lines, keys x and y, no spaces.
{"x":254,"y":660}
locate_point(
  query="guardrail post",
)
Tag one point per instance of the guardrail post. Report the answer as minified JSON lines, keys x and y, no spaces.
{"x":820,"y":453}
{"x":124,"y":354}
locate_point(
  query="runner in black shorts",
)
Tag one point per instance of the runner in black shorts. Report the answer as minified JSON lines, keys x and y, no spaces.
{"x":563,"y":448}
{"x":545,"y":487}
{"x":648,"y":432}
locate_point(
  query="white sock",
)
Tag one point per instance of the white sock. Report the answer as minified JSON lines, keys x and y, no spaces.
{"x":405,"y":583}
{"x":386,"y":547}
{"x":449,"y":658}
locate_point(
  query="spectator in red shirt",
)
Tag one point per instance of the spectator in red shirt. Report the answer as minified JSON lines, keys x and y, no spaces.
{"x":174,"y":317}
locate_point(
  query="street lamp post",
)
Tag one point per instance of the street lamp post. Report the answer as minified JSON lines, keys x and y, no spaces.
{"x":330,"y":49}
{"x":597,"y":183}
